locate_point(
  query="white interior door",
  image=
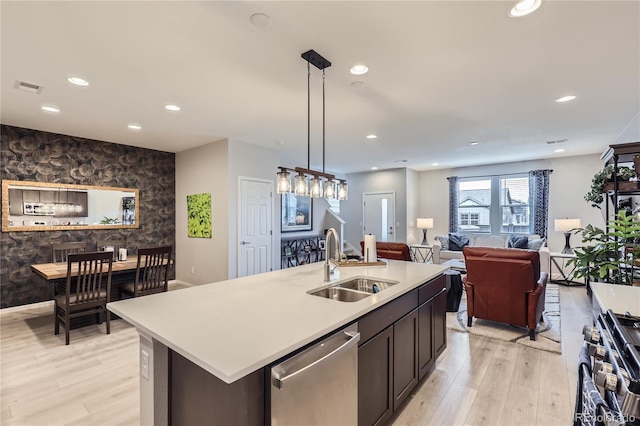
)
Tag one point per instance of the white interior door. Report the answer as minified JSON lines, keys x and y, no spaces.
{"x":379,"y":215}
{"x":255,"y":236}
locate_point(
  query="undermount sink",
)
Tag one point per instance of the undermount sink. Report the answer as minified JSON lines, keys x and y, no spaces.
{"x":369,"y":285}
{"x":353,"y":290}
{"x":341,"y":294}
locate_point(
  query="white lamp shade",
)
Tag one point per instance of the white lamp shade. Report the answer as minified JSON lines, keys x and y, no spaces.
{"x":425,"y":223}
{"x":566,"y":225}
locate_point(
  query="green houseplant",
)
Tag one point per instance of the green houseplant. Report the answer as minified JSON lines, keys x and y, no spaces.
{"x":596,"y":195}
{"x":611,"y":254}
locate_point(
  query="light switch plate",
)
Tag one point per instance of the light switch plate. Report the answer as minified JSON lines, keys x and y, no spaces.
{"x":144,"y":364}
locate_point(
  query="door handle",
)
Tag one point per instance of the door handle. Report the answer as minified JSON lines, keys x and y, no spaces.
{"x":244,"y":243}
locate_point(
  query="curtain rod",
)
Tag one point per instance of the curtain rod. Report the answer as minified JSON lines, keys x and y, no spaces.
{"x":497,"y":175}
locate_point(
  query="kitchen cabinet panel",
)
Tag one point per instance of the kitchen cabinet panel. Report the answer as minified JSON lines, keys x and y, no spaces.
{"x":15,"y":201}
{"x":405,"y":357}
{"x":440,"y":323}
{"x":426,"y":351}
{"x":30,"y":196}
{"x":48,"y":197}
{"x":375,"y":379}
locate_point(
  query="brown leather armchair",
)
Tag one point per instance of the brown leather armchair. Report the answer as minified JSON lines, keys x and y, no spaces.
{"x":505,"y":285}
{"x":395,"y":251}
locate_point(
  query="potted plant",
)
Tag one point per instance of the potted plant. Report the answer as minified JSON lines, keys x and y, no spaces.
{"x":612,"y":254}
{"x":595,"y":196}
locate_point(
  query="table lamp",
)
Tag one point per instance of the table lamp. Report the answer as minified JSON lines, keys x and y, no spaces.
{"x":425,"y":223}
{"x":566,"y":226}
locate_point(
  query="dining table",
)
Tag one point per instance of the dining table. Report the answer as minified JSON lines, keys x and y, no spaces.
{"x":56,"y":271}
{"x":122,"y":272}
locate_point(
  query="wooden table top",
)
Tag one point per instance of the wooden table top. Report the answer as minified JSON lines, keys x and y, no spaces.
{"x":56,"y":271}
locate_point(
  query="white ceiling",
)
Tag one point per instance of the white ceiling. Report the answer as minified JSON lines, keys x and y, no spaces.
{"x":442,"y":74}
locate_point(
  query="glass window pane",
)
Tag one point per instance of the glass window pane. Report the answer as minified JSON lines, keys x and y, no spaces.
{"x":474,"y":205}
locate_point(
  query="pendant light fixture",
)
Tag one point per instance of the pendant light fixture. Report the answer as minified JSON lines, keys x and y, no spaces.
{"x":322,"y":184}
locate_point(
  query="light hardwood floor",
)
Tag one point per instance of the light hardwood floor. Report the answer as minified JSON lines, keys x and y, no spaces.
{"x":94,"y":380}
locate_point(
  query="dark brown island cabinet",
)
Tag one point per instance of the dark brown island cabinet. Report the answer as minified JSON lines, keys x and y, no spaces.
{"x":399,"y":344}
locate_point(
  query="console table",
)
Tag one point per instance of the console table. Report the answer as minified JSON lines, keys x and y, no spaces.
{"x":301,"y":250}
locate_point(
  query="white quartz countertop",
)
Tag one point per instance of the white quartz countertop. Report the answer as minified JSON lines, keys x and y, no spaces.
{"x":618,"y":298}
{"x":232,"y":328}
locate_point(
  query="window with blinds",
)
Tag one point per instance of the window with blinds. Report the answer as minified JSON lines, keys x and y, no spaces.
{"x":494,"y":204}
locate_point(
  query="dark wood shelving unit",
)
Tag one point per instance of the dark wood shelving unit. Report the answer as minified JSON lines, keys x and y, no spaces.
{"x":296,"y":251}
{"x":617,"y":155}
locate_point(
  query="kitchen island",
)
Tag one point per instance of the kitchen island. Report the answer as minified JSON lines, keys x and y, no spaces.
{"x":232,"y":329}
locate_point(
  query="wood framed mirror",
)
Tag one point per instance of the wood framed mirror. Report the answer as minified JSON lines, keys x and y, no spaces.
{"x":42,"y":206}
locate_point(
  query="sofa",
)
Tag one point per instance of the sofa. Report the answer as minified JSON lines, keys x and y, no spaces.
{"x":441,"y":255}
{"x":395,"y":251}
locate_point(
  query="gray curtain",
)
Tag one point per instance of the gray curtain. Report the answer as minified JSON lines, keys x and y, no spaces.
{"x":453,"y":204}
{"x":539,"y":204}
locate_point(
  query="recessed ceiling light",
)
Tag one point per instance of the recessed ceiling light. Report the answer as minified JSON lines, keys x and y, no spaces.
{"x":474,"y":143}
{"x":172,"y":107}
{"x":565,"y":98}
{"x":374,"y":168}
{"x":402,"y":161}
{"x":279,"y":142}
{"x":359,"y":69}
{"x":134,"y":126}
{"x":78,"y":81}
{"x":357,"y":84}
{"x":524,"y":7}
{"x":435,"y":164}
{"x":50,"y":108}
{"x":372,"y":136}
{"x":559,"y":150}
{"x":260,"y":20}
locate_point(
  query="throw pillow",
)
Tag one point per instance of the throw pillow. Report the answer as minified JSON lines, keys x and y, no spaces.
{"x":444,"y":241}
{"x":535,"y":244}
{"x":519,"y":242}
{"x":457,"y":241}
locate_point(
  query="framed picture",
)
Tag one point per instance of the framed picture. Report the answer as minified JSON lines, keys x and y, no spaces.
{"x":321,"y":244}
{"x":296,"y":213}
{"x":287,"y":251}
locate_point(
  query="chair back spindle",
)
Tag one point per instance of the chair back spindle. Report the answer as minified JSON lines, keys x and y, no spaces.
{"x":152,"y":272}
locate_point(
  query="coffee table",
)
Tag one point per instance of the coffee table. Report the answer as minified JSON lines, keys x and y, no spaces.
{"x":456,"y":265}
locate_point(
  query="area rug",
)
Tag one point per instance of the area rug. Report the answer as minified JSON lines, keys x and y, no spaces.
{"x":547,"y":331}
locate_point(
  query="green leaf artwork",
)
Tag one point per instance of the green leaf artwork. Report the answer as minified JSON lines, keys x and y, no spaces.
{"x":199,"y":215}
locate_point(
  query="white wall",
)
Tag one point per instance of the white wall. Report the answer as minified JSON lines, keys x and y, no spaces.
{"x":250,"y":161}
{"x":200,"y":170}
{"x":570,"y":180}
{"x":392,"y":180}
{"x":414,"y":235}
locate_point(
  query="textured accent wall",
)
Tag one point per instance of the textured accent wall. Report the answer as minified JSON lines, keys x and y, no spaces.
{"x":31,"y":155}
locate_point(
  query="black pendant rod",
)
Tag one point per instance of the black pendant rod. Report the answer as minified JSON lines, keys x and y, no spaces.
{"x":308,"y":116}
{"x":323,"y":121}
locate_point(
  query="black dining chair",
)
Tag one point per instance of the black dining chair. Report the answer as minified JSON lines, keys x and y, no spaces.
{"x":87,"y":290}
{"x":62,"y":250}
{"x":152,"y":272}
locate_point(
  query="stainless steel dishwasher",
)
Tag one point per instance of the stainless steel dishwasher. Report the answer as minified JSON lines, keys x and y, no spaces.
{"x":318,"y":386}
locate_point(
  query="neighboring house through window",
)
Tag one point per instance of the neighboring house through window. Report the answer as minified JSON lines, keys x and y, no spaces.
{"x":494,"y":204}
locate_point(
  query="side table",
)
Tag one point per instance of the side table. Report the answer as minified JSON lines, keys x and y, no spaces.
{"x":559,"y":261}
{"x":420,"y":253}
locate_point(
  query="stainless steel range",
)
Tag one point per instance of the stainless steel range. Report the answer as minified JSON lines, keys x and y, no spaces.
{"x":609,"y":372}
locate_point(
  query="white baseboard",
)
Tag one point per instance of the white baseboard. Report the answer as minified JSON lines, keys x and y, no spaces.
{"x":46,"y":303}
{"x":49,"y":303}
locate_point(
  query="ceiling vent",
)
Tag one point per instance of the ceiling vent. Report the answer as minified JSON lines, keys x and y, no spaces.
{"x":28,"y":87}
{"x":557,"y":141}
